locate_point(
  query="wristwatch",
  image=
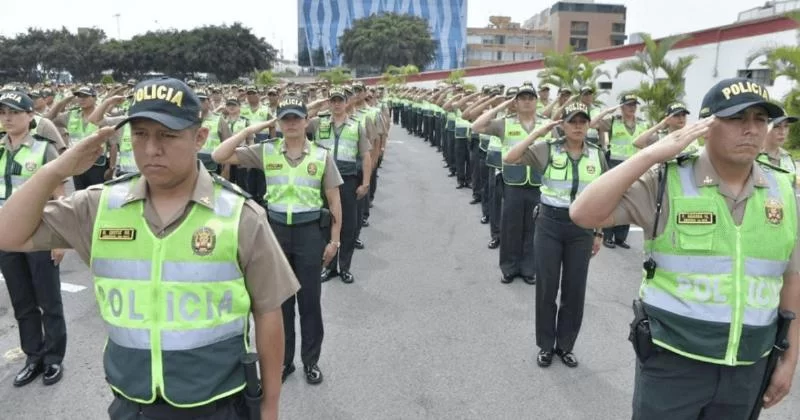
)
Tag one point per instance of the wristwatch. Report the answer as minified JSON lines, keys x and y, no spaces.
{"x":337,"y":244}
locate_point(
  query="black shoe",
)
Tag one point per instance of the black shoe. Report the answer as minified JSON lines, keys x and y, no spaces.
{"x":371,"y":205}
{"x":461,"y":185}
{"x":327,"y":274}
{"x":484,"y":220}
{"x":507,"y":279}
{"x":287,"y":370}
{"x":346,"y":277}
{"x":364,"y":223}
{"x":623,"y":245}
{"x":529,"y":279}
{"x":544,"y":358}
{"x":52,"y":373}
{"x":494,"y":243}
{"x":608,"y":243}
{"x":475,"y":200}
{"x":359,"y":244}
{"x":313,"y":374}
{"x":28,"y":374}
{"x":451,"y":174}
{"x":568,"y":358}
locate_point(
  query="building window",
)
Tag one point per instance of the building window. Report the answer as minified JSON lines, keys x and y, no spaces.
{"x":618,"y":28}
{"x":578,"y":44}
{"x":762,"y":76}
{"x":604,"y":85}
{"x":579,"y":28}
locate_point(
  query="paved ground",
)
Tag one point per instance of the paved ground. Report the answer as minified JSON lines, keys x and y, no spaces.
{"x":426,"y":332}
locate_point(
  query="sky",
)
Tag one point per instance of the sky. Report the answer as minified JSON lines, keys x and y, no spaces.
{"x":276,"y":20}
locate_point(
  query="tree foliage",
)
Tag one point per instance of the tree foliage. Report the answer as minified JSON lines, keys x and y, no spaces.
{"x":571,"y":71}
{"x":663,"y":80}
{"x":226,"y":51}
{"x":394,"y":76}
{"x":335,"y":76}
{"x":379,"y":41}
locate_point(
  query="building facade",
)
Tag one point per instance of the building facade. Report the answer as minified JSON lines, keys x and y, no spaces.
{"x":504,"y":41}
{"x":582,"y":24}
{"x":320,"y":23}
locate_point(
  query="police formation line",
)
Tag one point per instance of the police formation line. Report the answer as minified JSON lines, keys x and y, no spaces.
{"x":555,"y":180}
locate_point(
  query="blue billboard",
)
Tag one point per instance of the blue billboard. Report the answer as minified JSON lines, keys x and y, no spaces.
{"x":320,"y":23}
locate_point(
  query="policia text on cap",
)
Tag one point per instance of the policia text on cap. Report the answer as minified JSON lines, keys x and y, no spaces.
{"x":165,"y":356}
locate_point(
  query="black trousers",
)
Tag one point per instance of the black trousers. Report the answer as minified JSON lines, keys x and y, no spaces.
{"x":480,"y":173}
{"x":373,"y":183}
{"x":563,"y":250}
{"x":347,"y":196}
{"x":395,"y":114}
{"x":495,"y":187}
{"x":616,"y":233}
{"x":461,"y":159}
{"x":517,"y":230}
{"x":232,"y":408}
{"x":362,"y":207}
{"x":95,"y":175}
{"x":450,"y":149}
{"x":670,"y":386}
{"x":303,"y":246}
{"x":34,"y":286}
{"x":428,"y":128}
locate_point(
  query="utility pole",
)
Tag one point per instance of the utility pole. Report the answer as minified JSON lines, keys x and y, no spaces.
{"x":116,"y":16}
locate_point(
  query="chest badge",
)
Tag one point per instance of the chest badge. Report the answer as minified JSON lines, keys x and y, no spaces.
{"x":203,"y":241}
{"x":774,"y":211}
{"x":590,"y":169}
{"x":30,"y":166}
{"x":312,"y":169}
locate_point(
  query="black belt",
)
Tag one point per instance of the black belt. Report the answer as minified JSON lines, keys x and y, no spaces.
{"x":557,"y":213}
{"x":161,"y":409}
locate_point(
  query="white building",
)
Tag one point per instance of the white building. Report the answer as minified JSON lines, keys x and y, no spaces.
{"x":721,"y":54}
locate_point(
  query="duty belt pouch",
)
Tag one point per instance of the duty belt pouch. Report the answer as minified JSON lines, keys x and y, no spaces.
{"x":639,"y":334}
{"x":324,"y":218}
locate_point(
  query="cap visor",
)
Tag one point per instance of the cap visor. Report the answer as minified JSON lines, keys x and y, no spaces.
{"x":773,"y":111}
{"x":679,"y":111}
{"x":173,"y":123}
{"x":338,"y":95}
{"x":569,"y":117}
{"x":282,"y":114}
{"x":632,"y":101}
{"x":13,"y":106}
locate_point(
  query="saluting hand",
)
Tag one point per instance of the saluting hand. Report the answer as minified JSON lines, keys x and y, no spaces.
{"x":82,"y":155}
{"x":673,"y":144}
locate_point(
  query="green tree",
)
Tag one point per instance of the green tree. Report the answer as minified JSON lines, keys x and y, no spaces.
{"x":664,"y":80}
{"x":377,"y":41}
{"x":264,"y":78}
{"x":568,"y":70}
{"x":394,"y":76}
{"x":335,"y":76}
{"x":456,"y":77}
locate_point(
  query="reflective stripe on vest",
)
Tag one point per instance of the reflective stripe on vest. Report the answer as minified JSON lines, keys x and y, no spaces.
{"x":785,"y":162}
{"x":294,"y":194}
{"x":176,"y":307}
{"x":483,"y":142}
{"x":559,"y":176}
{"x":621,"y":141}
{"x":16,"y":170}
{"x":716,"y":289}
{"x":126,"y":162}
{"x":345,"y":150}
{"x":519,"y":174}
{"x":462,"y":128}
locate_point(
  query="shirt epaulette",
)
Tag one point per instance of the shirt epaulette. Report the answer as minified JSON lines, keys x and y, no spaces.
{"x":42,"y":138}
{"x":122,"y":178}
{"x":766,"y":166}
{"x":224,"y":183}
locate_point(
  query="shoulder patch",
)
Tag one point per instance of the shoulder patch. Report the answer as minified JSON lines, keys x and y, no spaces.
{"x":123,"y":178}
{"x":230,"y":186}
{"x":766,"y":166}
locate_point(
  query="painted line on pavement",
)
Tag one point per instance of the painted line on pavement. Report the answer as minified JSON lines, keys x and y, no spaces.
{"x":65,"y":287}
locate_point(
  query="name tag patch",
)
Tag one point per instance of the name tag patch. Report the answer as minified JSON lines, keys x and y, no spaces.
{"x":697,"y":218}
{"x":117,"y":234}
{"x":274,"y":166}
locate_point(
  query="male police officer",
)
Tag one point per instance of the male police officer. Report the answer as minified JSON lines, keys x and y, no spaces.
{"x":179,"y":260}
{"x":723,"y":260}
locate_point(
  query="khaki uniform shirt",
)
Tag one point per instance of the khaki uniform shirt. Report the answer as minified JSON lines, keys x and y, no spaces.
{"x":48,"y":130}
{"x":638,"y":204}
{"x":68,"y":223}
{"x":497,"y":128}
{"x":253,"y":157}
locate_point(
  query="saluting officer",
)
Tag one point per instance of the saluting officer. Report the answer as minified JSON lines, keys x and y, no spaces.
{"x":723,"y":258}
{"x":773,"y":152}
{"x":300,"y":176}
{"x":563,"y":249}
{"x":161,"y":244}
{"x":675,"y":120}
{"x":32,"y":278}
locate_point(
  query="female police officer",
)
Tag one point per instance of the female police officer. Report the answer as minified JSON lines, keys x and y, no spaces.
{"x":569,"y":164}
{"x":298,"y":173}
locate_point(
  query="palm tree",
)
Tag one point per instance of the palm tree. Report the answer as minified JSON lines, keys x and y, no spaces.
{"x":664,"y":80}
{"x":784,"y":61}
{"x":571,"y":71}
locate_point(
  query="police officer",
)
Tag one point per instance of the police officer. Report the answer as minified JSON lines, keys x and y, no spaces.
{"x":724,"y":257}
{"x":773,"y":151}
{"x":32,"y":278}
{"x":298,"y":175}
{"x":563,"y":249}
{"x":160,"y":245}
{"x":675,"y":119}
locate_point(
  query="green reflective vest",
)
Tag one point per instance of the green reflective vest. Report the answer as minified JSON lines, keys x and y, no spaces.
{"x":519,"y":174}
{"x":259,"y":115}
{"x":494,"y":152}
{"x":125,"y":160}
{"x":621,"y":141}
{"x":78,"y":131}
{"x":294,"y":194}
{"x":716,"y":290}
{"x":560,"y":185}
{"x":344,"y":147}
{"x":18,"y":167}
{"x":483,"y":142}
{"x":176,"y":308}
{"x":212,"y":142}
{"x":240,"y":124}
{"x":463,"y":128}
{"x":786,"y":163}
